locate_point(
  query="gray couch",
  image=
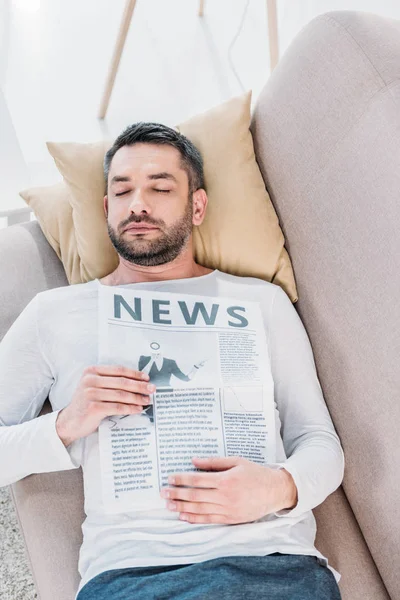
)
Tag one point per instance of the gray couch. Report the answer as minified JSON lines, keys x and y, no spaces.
{"x":327,"y":135}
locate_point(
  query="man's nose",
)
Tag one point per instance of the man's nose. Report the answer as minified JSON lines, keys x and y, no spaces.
{"x":138,"y":204}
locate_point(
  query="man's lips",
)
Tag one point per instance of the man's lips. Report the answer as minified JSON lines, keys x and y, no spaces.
{"x":140,"y":228}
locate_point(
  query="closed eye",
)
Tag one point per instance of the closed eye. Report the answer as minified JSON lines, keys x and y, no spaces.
{"x":160,"y":191}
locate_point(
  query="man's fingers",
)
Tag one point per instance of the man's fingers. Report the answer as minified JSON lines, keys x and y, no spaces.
{"x":124,"y":383}
{"x":201,"y":480}
{"x":116,"y":371}
{"x":194,"y":495}
{"x":217,"y":463}
{"x":119,"y":396}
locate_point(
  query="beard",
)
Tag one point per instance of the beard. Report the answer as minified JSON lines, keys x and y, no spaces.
{"x":151,"y":253}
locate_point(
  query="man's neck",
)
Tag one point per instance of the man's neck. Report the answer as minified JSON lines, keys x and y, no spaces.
{"x":134,"y":274}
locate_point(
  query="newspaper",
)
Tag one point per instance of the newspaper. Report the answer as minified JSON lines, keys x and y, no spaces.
{"x":208,"y":358}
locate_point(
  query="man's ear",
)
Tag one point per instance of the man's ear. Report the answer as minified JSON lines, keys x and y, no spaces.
{"x":105,"y":205}
{"x":200,"y":201}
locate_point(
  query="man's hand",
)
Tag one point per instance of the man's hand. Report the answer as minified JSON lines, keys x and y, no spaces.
{"x":103,"y":391}
{"x":239,"y":491}
{"x":200,"y":364}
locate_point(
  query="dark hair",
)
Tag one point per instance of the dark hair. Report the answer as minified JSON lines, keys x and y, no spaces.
{"x":157,"y":133}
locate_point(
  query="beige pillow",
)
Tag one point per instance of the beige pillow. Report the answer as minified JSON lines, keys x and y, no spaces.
{"x":53,"y":210}
{"x":240,"y":234}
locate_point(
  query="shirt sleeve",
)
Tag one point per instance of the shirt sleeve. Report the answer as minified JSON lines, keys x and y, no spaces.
{"x":314,"y":453}
{"x":28,"y":443}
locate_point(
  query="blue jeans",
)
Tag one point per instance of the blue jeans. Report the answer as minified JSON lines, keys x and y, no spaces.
{"x":272,"y":577}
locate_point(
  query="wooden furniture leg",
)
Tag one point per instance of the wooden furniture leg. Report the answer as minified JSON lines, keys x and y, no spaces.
{"x":123,"y":31}
{"x":273,"y":33}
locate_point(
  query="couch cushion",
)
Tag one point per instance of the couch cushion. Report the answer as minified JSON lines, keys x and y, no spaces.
{"x":31,"y":266}
{"x":50,"y":511}
{"x":334,"y":101}
{"x":339,"y":537}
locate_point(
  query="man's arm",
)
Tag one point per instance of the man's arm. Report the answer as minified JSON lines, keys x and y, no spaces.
{"x":175,"y":370}
{"x":28,"y":443}
{"x":314,"y":454}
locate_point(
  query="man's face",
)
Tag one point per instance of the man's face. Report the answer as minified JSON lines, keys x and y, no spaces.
{"x":148,"y":189}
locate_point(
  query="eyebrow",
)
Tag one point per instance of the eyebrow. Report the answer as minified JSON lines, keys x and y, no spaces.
{"x":163,"y":175}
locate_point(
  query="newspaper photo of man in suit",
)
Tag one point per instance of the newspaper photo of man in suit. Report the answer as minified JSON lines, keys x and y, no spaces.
{"x":161,"y":369}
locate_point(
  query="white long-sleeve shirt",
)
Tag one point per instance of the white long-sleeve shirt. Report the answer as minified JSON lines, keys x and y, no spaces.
{"x":44,"y":354}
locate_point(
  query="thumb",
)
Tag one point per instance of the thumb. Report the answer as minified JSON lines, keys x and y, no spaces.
{"x":216,"y":463}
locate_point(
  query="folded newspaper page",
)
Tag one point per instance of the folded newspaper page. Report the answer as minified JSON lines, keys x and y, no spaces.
{"x":208,"y":358}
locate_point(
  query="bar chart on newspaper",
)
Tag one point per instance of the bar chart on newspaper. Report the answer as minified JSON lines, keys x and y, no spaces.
{"x":208,"y":358}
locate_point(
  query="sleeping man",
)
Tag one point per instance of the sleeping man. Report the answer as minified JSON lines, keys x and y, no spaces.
{"x":229,"y":529}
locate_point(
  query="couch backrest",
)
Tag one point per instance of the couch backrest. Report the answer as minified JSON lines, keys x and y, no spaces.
{"x":327,"y":136}
{"x":28,"y":265}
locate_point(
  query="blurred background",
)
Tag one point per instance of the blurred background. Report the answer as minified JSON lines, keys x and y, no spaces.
{"x":55,"y":56}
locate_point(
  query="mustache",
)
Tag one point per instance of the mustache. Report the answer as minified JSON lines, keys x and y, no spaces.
{"x":143,"y":219}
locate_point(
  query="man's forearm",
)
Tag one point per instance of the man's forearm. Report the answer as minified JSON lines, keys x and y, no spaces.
{"x":289,"y":490}
{"x":192,"y":373}
{"x":32,"y":447}
{"x":317,"y":467}
{"x":62,"y":431}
